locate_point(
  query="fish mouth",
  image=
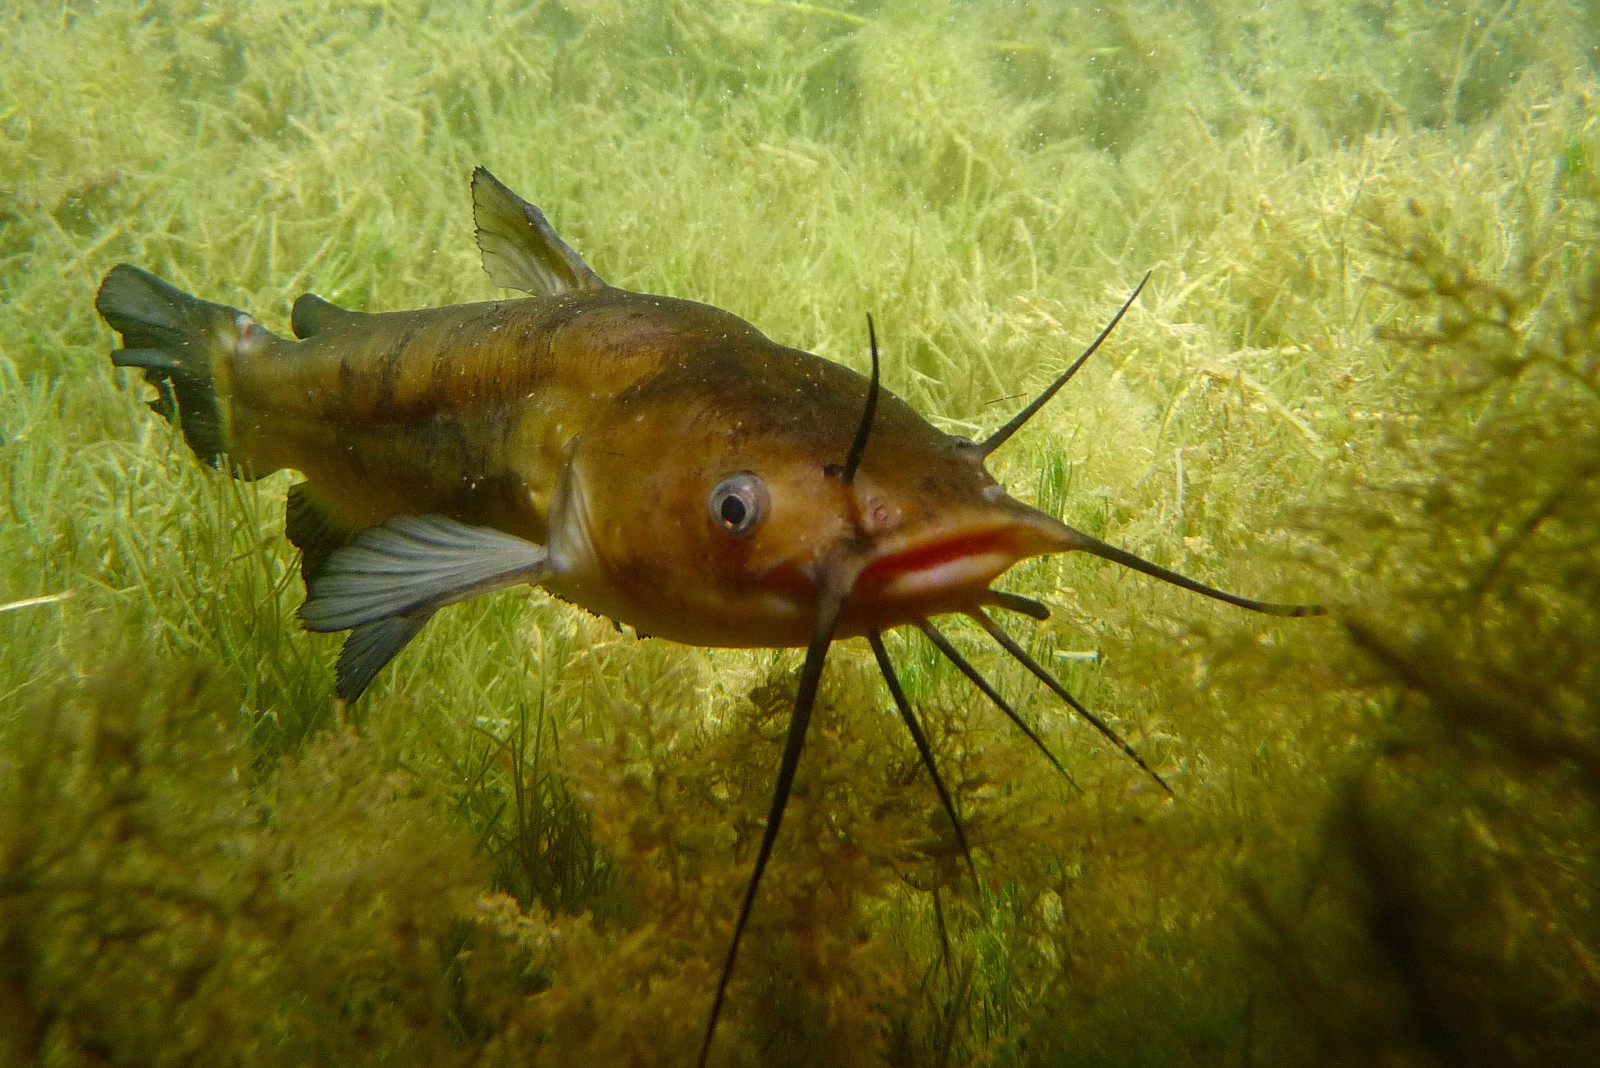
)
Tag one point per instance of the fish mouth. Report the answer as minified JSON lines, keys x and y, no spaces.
{"x":958,"y":562}
{"x":910,"y":576}
{"x":947,"y":572}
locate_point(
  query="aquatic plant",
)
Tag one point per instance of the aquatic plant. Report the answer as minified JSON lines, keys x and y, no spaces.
{"x":162,"y":906}
{"x":1365,"y":366}
{"x":1459,"y":852}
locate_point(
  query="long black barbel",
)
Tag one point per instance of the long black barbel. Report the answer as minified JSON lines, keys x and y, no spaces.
{"x":963,"y":665}
{"x":1001,"y":436}
{"x":834,"y":588}
{"x":1015,"y":602}
{"x":924,"y":750}
{"x":1009,"y":644}
{"x":1096,"y":547}
{"x":859,"y":445}
{"x":1093,"y":545}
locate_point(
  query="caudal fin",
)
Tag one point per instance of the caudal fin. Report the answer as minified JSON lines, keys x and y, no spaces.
{"x":178,"y":341}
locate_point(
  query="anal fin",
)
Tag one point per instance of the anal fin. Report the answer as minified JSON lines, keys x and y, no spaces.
{"x":313,"y":531}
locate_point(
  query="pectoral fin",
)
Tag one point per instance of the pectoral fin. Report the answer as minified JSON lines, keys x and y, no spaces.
{"x":371,"y":646}
{"x":414,"y":562}
{"x":390,"y":579}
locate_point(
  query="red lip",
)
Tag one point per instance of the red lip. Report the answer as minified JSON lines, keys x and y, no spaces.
{"x":926,"y":557}
{"x":921,"y":577}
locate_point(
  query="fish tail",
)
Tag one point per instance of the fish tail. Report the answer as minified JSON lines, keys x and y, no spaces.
{"x":184,"y":346}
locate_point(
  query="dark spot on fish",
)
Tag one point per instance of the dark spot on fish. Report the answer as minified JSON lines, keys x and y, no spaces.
{"x":347,"y":385}
{"x":391,"y":365}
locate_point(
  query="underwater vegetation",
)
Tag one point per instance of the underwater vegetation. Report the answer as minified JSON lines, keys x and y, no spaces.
{"x":1367,"y":368}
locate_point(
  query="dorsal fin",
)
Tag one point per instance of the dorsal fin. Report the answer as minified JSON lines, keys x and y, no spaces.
{"x":521,"y":250}
{"x":311,"y":313}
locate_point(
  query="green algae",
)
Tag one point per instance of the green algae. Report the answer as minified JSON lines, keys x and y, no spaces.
{"x":1365,"y":370}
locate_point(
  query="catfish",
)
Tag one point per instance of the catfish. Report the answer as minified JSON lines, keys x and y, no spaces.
{"x":656,"y":461}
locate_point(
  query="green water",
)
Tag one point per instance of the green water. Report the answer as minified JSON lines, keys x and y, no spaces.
{"x":1366,"y":370}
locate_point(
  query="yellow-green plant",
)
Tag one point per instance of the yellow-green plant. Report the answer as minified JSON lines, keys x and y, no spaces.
{"x":1365,"y":366}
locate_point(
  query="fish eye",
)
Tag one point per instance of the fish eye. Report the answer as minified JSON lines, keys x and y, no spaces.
{"x":738,"y":503}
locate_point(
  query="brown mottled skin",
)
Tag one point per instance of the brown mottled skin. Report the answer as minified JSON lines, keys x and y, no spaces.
{"x":622,"y":411}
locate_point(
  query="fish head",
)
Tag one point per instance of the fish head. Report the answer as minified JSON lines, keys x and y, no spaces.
{"x":711,"y":506}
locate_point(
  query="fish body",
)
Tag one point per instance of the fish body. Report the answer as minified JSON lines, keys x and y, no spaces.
{"x":597,"y":422}
{"x":657,"y":461}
